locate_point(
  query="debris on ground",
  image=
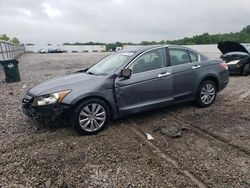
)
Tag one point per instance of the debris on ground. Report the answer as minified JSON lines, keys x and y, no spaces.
{"x":11,"y":93}
{"x":149,"y":137}
{"x":171,"y":131}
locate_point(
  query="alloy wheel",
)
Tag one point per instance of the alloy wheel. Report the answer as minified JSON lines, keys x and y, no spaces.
{"x":207,"y":94}
{"x":92,"y":117}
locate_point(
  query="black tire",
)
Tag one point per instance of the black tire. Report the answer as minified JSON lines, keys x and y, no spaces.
{"x":200,"y":97}
{"x":80,"y":109}
{"x":246,"y":69}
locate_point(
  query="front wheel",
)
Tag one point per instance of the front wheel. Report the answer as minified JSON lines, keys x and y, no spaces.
{"x":246,"y":69}
{"x":91,"y":116}
{"x":206,"y":93}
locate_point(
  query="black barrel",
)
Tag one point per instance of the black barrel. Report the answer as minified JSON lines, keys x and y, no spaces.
{"x":11,"y":70}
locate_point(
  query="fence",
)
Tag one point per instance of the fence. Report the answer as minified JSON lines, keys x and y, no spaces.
{"x":9,"y":50}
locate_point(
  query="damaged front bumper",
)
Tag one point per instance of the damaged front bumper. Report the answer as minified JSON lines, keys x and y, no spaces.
{"x":56,"y":113}
{"x":234,"y":69}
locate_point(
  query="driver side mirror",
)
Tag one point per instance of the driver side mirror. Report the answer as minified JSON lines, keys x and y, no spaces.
{"x":126,"y":73}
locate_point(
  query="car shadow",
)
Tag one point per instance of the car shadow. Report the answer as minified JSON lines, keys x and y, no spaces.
{"x":137,"y":118}
{"x":46,"y":127}
{"x":236,"y":75}
{"x":151,"y":114}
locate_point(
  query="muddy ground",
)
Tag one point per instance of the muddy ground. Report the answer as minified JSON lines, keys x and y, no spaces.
{"x":213,"y":150}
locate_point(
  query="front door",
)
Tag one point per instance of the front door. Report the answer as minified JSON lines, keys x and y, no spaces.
{"x":149,"y":86}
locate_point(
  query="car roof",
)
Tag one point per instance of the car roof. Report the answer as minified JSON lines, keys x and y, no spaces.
{"x":141,"y":49}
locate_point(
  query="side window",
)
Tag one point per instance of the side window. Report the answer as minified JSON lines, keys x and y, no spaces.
{"x":178,"y":56}
{"x":194,"y":56}
{"x":154,"y":59}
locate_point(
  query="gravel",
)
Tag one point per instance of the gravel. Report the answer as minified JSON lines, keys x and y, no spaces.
{"x":213,"y":151}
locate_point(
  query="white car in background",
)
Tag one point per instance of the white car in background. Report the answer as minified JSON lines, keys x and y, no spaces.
{"x":42,"y":51}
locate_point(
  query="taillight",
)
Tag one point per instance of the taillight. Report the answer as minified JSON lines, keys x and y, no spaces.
{"x":224,"y":65}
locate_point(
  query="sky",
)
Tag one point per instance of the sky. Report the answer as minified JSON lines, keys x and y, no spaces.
{"x":59,"y":21}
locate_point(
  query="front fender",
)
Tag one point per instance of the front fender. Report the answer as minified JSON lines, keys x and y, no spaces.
{"x":73,"y":101}
{"x":106,"y":95}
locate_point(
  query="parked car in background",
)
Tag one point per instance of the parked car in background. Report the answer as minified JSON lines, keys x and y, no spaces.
{"x":236,"y":56}
{"x":55,"y":51}
{"x":127,"y":82}
{"x":42,"y":51}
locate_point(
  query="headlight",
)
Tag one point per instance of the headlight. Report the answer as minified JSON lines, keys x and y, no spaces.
{"x":50,"y":98}
{"x":233,"y":62}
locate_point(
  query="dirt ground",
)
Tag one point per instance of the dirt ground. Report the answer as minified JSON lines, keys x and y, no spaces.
{"x":213,"y":150}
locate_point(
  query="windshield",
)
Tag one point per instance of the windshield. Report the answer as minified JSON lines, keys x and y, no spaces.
{"x":248,"y":48}
{"x":110,"y":64}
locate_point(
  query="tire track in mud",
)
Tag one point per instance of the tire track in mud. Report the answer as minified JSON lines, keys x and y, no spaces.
{"x":209,"y":134}
{"x":167,"y":158}
{"x":243,"y":96}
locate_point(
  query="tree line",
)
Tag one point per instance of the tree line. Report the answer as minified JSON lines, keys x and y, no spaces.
{"x":242,"y":37}
{"x":5,"y":37}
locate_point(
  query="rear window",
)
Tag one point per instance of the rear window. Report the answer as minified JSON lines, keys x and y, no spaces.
{"x":179,"y":56}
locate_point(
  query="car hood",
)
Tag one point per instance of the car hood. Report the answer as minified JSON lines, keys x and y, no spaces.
{"x":229,"y":46}
{"x":61,"y":83}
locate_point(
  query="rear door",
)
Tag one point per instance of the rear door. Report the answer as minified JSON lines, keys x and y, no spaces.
{"x":185,"y":65}
{"x":149,"y":86}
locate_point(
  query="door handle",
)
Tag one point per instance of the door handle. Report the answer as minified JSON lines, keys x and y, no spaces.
{"x":164,"y":74}
{"x":196,"y":67}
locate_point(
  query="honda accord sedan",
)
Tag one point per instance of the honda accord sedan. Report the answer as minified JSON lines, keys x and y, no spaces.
{"x":127,"y":82}
{"x":236,"y":56}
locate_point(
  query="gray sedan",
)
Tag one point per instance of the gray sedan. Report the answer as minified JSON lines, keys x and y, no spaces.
{"x":127,"y":82}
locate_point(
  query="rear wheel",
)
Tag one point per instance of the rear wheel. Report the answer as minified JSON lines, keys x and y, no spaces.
{"x":91,"y":116}
{"x":206,"y":94}
{"x":246,"y":69}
